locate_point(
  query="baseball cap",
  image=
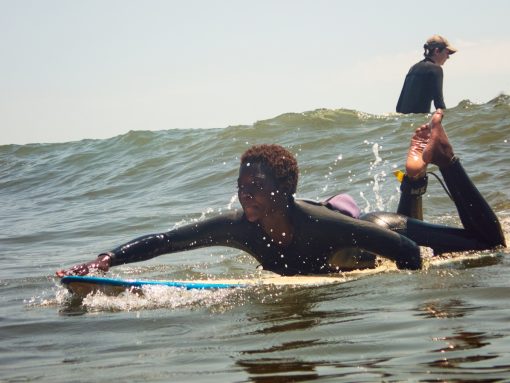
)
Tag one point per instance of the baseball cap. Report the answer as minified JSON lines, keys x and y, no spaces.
{"x":440,"y":42}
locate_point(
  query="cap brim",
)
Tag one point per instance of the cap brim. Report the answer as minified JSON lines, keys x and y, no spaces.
{"x":452,"y":50}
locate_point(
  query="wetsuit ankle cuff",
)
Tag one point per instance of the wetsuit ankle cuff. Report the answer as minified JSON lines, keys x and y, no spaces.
{"x":415,"y":187}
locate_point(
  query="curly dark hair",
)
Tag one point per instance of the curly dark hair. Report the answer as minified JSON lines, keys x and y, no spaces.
{"x":278,"y":162}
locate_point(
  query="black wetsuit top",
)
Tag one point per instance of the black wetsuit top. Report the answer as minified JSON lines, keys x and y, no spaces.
{"x":324,"y":241}
{"x":423,"y":84}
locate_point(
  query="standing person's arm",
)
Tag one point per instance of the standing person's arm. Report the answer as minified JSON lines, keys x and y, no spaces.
{"x":437,"y":88}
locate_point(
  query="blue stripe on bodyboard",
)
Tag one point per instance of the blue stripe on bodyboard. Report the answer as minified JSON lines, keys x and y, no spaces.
{"x":102,"y":281}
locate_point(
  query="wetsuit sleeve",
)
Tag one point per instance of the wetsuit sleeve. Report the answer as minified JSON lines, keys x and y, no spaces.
{"x":403,"y":95}
{"x":398,"y":109}
{"x":437,"y":88}
{"x":388,"y":244}
{"x":322,"y":230}
{"x":216,"y":231}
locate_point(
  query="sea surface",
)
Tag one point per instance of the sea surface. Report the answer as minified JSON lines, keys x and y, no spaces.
{"x":63,"y":203}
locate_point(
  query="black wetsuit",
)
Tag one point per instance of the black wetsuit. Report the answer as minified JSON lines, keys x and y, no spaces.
{"x":326,"y":241}
{"x":423,"y":84}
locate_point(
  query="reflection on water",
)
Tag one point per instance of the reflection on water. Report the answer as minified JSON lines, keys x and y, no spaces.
{"x":451,"y":308}
{"x":294,"y":329}
{"x":464,"y":348}
{"x":286,"y":370}
{"x":279,"y":370}
{"x":461,"y":341}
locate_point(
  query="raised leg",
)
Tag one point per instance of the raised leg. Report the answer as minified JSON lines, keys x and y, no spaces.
{"x":431,"y":145}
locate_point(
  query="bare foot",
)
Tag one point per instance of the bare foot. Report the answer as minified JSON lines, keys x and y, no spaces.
{"x":416,"y":167}
{"x":438,"y":150}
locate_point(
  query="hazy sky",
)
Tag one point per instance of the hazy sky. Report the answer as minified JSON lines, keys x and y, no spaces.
{"x":74,"y":69}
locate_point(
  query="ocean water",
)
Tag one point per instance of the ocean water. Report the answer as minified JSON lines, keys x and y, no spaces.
{"x":61,"y":204}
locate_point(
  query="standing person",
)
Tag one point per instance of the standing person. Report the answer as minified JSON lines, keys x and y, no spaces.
{"x":424,"y":82}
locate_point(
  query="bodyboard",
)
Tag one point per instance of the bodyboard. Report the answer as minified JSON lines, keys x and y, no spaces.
{"x":83,"y":285}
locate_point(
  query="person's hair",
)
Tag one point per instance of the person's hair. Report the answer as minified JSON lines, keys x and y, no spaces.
{"x":429,"y":49}
{"x":278,"y":162}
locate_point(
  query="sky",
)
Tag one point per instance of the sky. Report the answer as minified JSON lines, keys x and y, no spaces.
{"x":71,"y":70}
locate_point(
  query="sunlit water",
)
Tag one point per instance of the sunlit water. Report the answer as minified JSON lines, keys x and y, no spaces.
{"x":64,"y":203}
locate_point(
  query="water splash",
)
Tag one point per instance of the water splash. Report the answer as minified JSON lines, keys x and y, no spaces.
{"x":233,"y":200}
{"x":375,"y":150}
{"x":156,"y":297}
